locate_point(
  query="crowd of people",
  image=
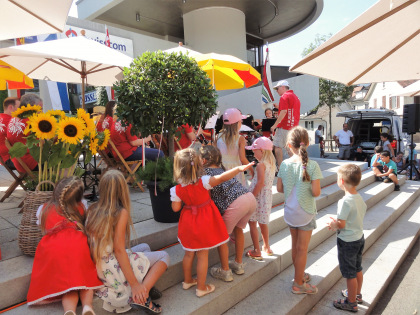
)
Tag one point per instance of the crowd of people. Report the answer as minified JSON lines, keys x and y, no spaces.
{"x":86,"y":250}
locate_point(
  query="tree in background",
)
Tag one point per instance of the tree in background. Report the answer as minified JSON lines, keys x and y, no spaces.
{"x":3,"y":96}
{"x":102,"y":96}
{"x":331,"y":93}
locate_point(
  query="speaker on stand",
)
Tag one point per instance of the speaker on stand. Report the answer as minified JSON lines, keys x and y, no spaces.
{"x":411,"y":125}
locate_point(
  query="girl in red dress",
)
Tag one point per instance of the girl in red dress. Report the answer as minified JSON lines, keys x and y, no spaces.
{"x":201,"y":226}
{"x":63,"y":268}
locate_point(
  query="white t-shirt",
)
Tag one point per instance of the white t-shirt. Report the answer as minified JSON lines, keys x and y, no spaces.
{"x":344,"y":136}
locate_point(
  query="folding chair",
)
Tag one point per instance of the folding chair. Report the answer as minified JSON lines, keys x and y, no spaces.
{"x":110,"y":162}
{"x":129,"y":168}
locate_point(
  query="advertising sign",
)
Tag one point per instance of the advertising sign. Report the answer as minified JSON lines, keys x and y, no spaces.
{"x":90,"y":97}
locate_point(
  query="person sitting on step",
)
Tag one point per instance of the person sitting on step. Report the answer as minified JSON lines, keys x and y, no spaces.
{"x":389,"y":169}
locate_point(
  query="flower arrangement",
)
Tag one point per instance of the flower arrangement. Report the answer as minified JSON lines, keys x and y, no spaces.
{"x":56,"y":141}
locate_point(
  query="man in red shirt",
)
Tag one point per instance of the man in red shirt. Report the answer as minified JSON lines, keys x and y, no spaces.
{"x":10,"y":104}
{"x":288,"y":117}
{"x":15,"y":133}
{"x":187,"y":137}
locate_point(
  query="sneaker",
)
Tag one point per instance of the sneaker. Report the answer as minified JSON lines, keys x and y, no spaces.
{"x":359,"y":299}
{"x":387,"y":180}
{"x":219,"y":273}
{"x":237,"y":267}
{"x":397,"y":188}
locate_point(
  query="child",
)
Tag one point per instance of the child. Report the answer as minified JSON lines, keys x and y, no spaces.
{"x":350,"y":240}
{"x":386,"y":144}
{"x":378,"y":149}
{"x":360,"y":155}
{"x":322,"y":147}
{"x":236,"y":205}
{"x":388,"y":172}
{"x":299,"y":179}
{"x":201,"y":226}
{"x":128,"y":275}
{"x":63,"y":268}
{"x":400,"y":162}
{"x":231,"y":144}
{"x":261,"y":188}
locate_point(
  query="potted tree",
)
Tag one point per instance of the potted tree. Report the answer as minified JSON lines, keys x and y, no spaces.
{"x":159,"y":93}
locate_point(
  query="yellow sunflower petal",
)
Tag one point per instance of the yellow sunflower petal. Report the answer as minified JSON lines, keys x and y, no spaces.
{"x":105,"y":135}
{"x":26,"y":111}
{"x":71,"y":130}
{"x":57,"y":113}
{"x":89,"y":123}
{"x":43,"y":125}
{"x":93,"y":146}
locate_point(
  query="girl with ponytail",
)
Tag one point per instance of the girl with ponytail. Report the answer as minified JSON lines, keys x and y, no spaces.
{"x":299,"y":180}
{"x":63,"y":268}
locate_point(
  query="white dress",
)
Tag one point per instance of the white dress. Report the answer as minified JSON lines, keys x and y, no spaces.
{"x":230,"y":158}
{"x":265,"y":197}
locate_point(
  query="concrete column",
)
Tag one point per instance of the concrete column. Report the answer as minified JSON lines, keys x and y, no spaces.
{"x":216,"y":29}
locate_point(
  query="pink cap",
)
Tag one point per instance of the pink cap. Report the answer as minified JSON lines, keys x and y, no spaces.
{"x":232,"y":115}
{"x":262,"y":143}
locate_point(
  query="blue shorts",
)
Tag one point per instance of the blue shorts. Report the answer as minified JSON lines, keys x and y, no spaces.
{"x":350,"y":257}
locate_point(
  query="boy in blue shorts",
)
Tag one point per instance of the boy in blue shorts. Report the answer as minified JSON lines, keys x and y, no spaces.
{"x":350,"y":240}
{"x":389,"y":169}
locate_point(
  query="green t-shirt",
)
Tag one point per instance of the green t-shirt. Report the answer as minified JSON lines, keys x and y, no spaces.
{"x":352,"y":209}
{"x":291,"y":175}
{"x":391,"y":164}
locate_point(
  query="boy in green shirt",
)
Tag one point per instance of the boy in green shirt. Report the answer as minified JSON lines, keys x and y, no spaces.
{"x":387,"y":169}
{"x":350,"y":240}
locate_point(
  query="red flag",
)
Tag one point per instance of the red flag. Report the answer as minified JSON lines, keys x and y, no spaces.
{"x":107,"y":41}
{"x":267,"y":86}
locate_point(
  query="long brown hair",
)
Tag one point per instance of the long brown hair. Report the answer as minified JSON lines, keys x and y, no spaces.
{"x":102,"y":216}
{"x":67,"y":197}
{"x":109,"y":109}
{"x":212,"y":156}
{"x":187,"y":167}
{"x":299,"y":139}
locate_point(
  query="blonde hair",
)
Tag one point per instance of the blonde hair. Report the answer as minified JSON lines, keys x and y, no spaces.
{"x":103,"y":216}
{"x":212,"y":156}
{"x":298,"y":138}
{"x":187,"y":167}
{"x":268,"y":159}
{"x":351,"y":174}
{"x":230,"y":134}
{"x":67,"y":197}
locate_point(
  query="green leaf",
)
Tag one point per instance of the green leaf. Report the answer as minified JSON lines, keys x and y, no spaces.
{"x":68,"y":161}
{"x":18,"y":150}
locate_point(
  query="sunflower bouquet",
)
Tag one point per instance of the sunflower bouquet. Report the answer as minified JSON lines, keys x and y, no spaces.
{"x":56,"y":141}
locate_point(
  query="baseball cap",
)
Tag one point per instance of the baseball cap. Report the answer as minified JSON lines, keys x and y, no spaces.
{"x":262,"y":143}
{"x":232,"y":115}
{"x":281,"y":83}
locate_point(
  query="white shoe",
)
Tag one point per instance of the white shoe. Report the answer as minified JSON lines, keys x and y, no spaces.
{"x":87,"y":310}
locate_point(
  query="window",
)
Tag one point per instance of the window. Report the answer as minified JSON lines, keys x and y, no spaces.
{"x":309,"y":125}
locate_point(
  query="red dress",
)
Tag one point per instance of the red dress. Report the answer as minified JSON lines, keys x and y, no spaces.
{"x":200,"y":225}
{"x":62,"y":262}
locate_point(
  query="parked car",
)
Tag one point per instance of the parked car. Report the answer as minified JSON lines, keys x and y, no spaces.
{"x":367,"y":125}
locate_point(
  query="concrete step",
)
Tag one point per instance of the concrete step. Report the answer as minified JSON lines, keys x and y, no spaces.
{"x":159,"y":235}
{"x":380,"y":263}
{"x":176,"y":301}
{"x":322,"y":261}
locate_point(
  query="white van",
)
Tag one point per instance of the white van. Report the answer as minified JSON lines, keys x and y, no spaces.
{"x":367,"y":125}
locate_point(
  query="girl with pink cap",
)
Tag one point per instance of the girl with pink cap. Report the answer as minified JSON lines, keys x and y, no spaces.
{"x":231,"y":144}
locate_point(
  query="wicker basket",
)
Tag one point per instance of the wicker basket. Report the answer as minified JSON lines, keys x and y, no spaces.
{"x":29,"y":232}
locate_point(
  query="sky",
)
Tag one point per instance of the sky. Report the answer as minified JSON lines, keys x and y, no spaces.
{"x":335,"y":15}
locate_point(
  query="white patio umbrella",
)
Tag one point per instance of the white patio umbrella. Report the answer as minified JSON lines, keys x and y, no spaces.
{"x":380,"y":45}
{"x":20,"y":18}
{"x":70,"y":60}
{"x":411,"y":90}
{"x":181,"y":49}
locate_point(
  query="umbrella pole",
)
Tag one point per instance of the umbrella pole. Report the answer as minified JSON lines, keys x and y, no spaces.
{"x":83,"y":75}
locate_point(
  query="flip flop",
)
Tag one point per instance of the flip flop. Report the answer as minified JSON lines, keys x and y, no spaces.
{"x":150,"y":307}
{"x":250,"y":254}
{"x":268,"y":253}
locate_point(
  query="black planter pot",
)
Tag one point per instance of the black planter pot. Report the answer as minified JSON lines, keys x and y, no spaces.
{"x":161,"y":204}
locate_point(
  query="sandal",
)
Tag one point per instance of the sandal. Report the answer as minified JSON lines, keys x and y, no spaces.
{"x":155,"y":294}
{"x":306,"y":277}
{"x":359,"y":299}
{"x":345,"y":305}
{"x":305,"y":288}
{"x":150,"y":307}
{"x":269,"y":252}
{"x":186,"y":285}
{"x":209,"y":289}
{"x":251,"y":254}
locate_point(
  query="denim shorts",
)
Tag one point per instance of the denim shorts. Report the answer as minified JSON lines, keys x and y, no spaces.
{"x":308,"y":227}
{"x":350,"y":257}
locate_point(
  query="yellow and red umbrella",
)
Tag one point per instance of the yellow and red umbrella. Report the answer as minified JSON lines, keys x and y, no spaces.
{"x":228,"y":72}
{"x":12,"y":78}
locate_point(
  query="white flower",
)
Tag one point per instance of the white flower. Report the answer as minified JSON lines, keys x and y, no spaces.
{"x":118,"y":127}
{"x":16,"y":126}
{"x":2,"y":126}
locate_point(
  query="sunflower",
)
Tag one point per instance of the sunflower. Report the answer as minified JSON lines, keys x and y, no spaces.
{"x":85,"y":117}
{"x":59,"y":114}
{"x":43,"y":125}
{"x":93,"y":145}
{"x":26,"y":111}
{"x":103,"y":139}
{"x":71,"y":130}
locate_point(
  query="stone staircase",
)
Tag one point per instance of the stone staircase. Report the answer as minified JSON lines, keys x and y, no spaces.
{"x":392,"y":225}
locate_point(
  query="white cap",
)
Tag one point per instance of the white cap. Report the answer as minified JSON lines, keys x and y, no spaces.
{"x":281,"y":83}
